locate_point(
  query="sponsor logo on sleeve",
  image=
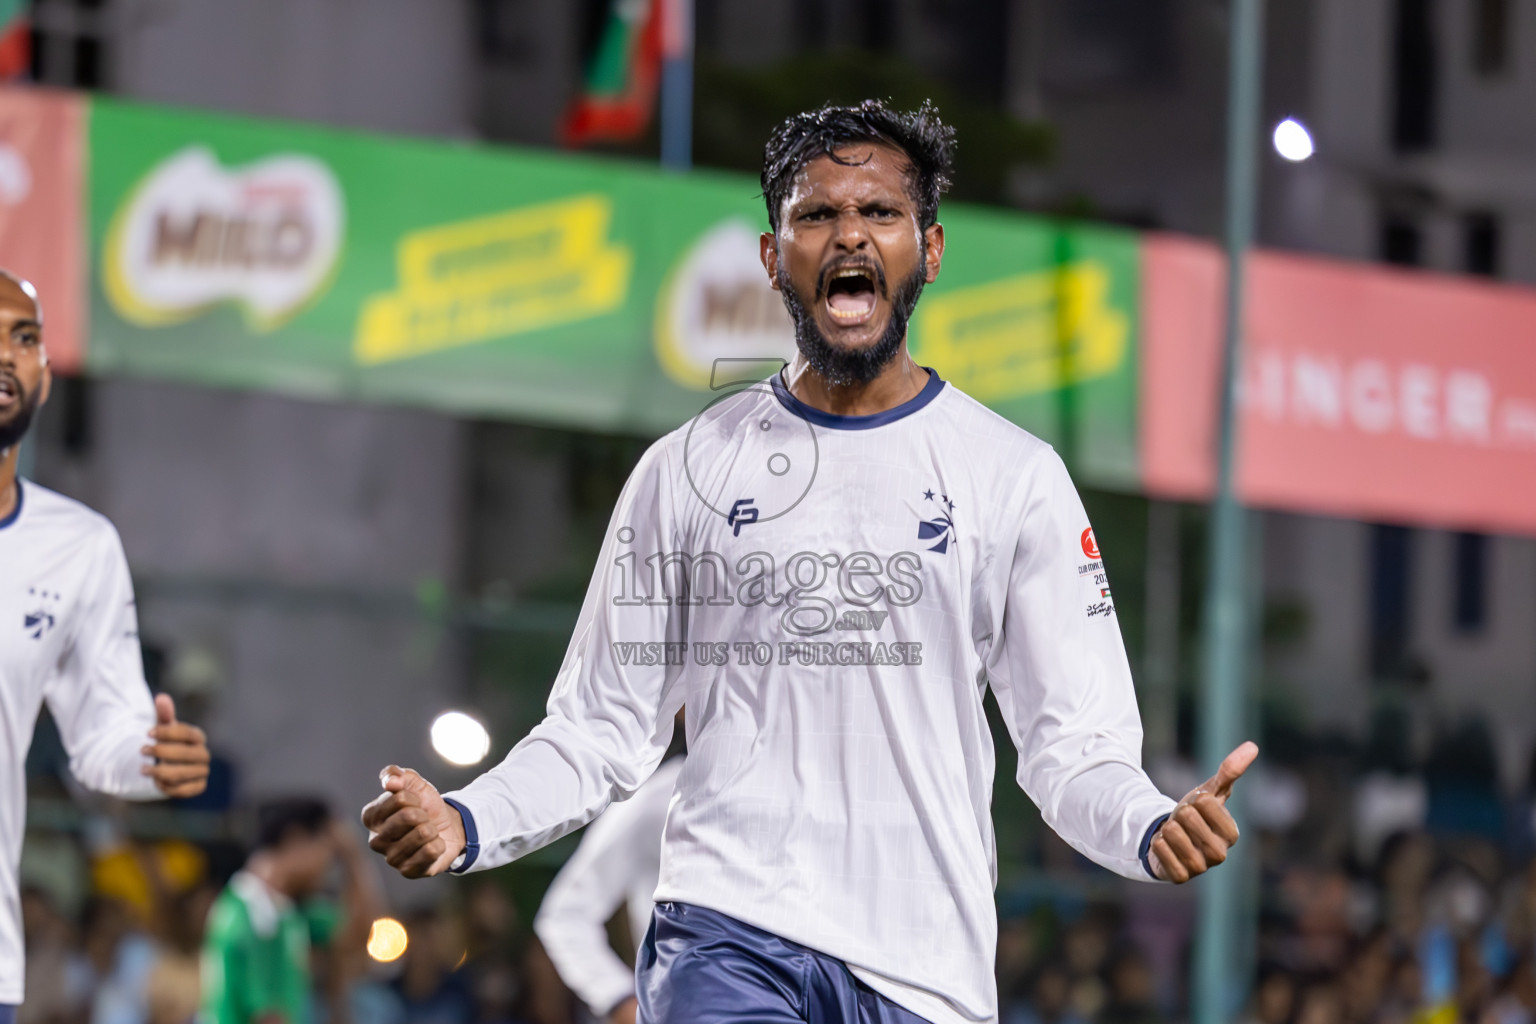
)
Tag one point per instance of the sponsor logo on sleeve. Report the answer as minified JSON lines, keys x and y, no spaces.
{"x":1093,"y":576}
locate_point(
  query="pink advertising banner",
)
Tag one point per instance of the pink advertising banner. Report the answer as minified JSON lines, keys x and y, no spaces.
{"x":1366,"y":392}
{"x":42,"y":233}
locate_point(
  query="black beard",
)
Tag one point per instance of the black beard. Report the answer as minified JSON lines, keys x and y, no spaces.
{"x":841,"y":367}
{"x":14,"y":429}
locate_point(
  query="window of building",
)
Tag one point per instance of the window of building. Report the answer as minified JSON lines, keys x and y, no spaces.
{"x":1481,"y":244}
{"x":1490,"y":37}
{"x":1401,"y":240}
{"x":1414,"y":76}
{"x":1391,"y":599}
{"x":1470,"y":573}
{"x":502,"y":35}
{"x":69,"y":43}
{"x":1106,"y":44}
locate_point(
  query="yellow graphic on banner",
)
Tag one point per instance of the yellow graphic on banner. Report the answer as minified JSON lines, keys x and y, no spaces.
{"x":1024,"y":335}
{"x":486,"y":278}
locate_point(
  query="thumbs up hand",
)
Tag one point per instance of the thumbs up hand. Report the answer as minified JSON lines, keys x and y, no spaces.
{"x":180,"y":751}
{"x":1200,"y":831}
{"x":410,"y":824}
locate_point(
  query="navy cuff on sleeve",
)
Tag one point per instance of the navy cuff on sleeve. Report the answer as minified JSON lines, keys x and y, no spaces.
{"x":472,"y":838}
{"x":1146,"y":845}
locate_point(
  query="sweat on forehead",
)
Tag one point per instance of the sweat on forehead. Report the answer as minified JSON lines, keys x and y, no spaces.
{"x":870,"y":155}
{"x":845,"y":134}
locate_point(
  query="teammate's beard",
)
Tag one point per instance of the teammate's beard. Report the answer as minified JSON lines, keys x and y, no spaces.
{"x":15,"y":428}
{"x":841,"y":367}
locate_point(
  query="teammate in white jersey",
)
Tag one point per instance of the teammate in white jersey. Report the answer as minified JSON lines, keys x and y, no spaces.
{"x":829,"y":570}
{"x":68,"y":636}
{"x":617,"y":864}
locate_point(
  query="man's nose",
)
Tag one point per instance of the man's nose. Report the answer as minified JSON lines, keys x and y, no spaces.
{"x":851,"y":234}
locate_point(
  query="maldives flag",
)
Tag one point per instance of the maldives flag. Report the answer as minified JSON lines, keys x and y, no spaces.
{"x":15,"y":39}
{"x":622,"y":78}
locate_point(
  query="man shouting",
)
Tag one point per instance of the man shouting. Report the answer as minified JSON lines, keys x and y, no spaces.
{"x":829,"y":570}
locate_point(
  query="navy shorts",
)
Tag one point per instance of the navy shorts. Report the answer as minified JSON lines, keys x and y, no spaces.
{"x":699,"y":966}
{"x":7,"y":1014}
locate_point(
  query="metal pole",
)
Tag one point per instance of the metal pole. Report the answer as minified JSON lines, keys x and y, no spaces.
{"x":1219,"y":981}
{"x":1160,"y":669}
{"x":677,"y":87}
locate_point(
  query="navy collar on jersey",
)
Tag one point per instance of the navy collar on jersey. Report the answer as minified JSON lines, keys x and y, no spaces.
{"x":15,"y":512}
{"x":837,"y":422}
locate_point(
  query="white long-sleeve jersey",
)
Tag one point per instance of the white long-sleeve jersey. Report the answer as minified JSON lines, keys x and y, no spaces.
{"x":617,"y":863}
{"x":830,"y":597}
{"x":68,"y":635}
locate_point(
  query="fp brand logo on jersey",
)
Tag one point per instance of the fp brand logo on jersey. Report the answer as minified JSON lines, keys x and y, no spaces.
{"x":741,"y":514}
{"x":1090,"y":546}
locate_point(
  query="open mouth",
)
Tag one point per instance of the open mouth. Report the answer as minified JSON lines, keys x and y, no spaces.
{"x":10,"y":392}
{"x":851,"y":296}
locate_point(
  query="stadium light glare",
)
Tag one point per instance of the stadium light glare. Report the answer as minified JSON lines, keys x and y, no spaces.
{"x":1292,"y":140}
{"x":387,"y":940}
{"x":459,"y":738}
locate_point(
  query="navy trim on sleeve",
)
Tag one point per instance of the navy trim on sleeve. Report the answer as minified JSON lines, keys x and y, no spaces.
{"x":15,"y":512}
{"x":471,"y":836}
{"x":836,"y":422}
{"x":1146,"y":845}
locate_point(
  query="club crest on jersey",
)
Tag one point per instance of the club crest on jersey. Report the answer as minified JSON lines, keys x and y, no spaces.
{"x":39,"y":621}
{"x":940,"y":528}
{"x":742,"y":513}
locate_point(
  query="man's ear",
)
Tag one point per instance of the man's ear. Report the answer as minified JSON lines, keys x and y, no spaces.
{"x":42,"y":395}
{"x":768,"y":252}
{"x":935,"y":237}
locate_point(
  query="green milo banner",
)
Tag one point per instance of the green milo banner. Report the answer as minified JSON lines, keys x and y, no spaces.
{"x":544,"y":287}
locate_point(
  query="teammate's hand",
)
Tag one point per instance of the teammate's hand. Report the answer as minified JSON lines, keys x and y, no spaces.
{"x":624,"y":1013}
{"x":411,"y":825}
{"x":180,"y":751}
{"x":1200,"y":831}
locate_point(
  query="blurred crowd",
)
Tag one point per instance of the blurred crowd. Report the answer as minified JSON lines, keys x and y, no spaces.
{"x":132,"y":946}
{"x":1385,"y":893}
{"x":1440,"y":931}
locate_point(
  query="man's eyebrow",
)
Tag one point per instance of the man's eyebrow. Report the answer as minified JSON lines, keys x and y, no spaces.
{"x":24,"y":324}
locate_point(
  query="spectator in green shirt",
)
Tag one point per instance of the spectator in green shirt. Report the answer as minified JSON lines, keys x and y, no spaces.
{"x":263,"y":926}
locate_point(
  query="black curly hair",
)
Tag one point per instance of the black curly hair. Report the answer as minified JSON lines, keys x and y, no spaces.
{"x":278,"y":819}
{"x":927,"y":141}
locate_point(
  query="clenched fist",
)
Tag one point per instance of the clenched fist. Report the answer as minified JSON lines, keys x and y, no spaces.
{"x":418,"y":833}
{"x":1200,"y":831}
